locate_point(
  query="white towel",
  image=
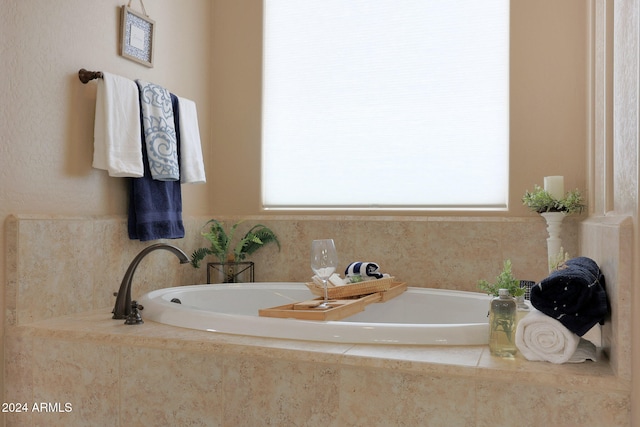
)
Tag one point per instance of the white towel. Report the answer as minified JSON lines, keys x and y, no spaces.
{"x":542,"y":338}
{"x":191,"y":164}
{"x":586,"y":351}
{"x":594,"y":335}
{"x":116,"y":135}
{"x":159,"y":131}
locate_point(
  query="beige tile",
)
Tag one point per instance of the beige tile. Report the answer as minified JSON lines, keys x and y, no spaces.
{"x":113,"y":253}
{"x":82,"y":374}
{"x":589,"y":375}
{"x":18,"y":368}
{"x":461,"y":253}
{"x":451,"y":360}
{"x":524,"y":243}
{"x":291,"y":383}
{"x":285,"y":382}
{"x":170,"y":388}
{"x":159,"y":269}
{"x":608,"y":240}
{"x":510,"y":403}
{"x":399,"y":247}
{"x":264,"y":391}
{"x":423,"y":251}
{"x":18,"y":377}
{"x":372,"y":397}
{"x":54,"y":263}
{"x":10,"y":295}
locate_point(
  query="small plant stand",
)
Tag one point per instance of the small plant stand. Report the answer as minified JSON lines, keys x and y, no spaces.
{"x":230,"y":272}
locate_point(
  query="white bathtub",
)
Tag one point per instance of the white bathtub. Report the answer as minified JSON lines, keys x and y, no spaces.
{"x":418,"y":316}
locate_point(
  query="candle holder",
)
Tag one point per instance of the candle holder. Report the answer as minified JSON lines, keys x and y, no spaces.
{"x":554,"y":242}
{"x":553,"y":207}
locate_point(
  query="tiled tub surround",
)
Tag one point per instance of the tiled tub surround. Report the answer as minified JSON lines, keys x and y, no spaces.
{"x":151,"y":374}
{"x":62,"y":346}
{"x":62,"y":265}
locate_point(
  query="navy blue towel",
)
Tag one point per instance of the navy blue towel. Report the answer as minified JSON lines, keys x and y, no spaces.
{"x":574,"y":295}
{"x":155,"y":207}
{"x":366,"y":270}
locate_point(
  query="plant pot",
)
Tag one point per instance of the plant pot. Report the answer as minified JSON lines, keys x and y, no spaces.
{"x":230,"y":272}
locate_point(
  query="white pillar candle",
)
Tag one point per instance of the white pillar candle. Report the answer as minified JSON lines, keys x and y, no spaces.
{"x":554,"y":185}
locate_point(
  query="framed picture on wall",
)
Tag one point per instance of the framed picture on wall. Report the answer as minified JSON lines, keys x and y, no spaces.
{"x":136,"y":40}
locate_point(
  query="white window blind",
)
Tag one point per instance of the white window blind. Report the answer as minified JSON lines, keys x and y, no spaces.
{"x":398,"y":104}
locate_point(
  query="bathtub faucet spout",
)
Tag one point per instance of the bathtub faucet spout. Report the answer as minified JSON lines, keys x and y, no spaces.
{"x":123,"y":300}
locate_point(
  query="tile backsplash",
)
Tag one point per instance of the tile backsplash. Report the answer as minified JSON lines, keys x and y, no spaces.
{"x":59,"y":266}
{"x":64,"y":265}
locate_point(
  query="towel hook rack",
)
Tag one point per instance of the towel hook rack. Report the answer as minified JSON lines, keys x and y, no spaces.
{"x":85,"y":75}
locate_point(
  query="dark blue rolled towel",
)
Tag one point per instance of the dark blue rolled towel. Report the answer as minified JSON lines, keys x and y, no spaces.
{"x":574,"y":295}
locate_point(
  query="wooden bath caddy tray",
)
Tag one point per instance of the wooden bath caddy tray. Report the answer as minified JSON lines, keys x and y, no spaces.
{"x":353,"y":289}
{"x":340,"y":308}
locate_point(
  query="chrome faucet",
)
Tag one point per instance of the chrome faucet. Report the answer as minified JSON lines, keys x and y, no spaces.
{"x":122,"y":309}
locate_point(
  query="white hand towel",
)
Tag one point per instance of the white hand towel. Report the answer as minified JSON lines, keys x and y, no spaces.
{"x":542,"y":338}
{"x":191,"y":164}
{"x":116,"y":135}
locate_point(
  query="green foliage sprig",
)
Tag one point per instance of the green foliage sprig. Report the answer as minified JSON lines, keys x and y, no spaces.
{"x":505,"y":280}
{"x":220,"y":242}
{"x":558,"y":261}
{"x":540,"y":201}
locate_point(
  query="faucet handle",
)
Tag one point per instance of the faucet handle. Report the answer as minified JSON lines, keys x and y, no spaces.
{"x":134,"y":318}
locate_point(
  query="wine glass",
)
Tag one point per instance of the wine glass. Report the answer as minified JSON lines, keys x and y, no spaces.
{"x":324,"y":261}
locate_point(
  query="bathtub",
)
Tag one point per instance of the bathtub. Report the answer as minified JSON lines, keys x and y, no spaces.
{"x":419,"y":316}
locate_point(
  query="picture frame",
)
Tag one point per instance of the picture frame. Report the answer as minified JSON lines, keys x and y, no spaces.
{"x":137,"y":37}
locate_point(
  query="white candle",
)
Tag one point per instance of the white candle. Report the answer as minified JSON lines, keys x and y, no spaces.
{"x":554,"y":185}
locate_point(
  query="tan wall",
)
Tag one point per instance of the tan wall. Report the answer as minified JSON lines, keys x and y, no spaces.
{"x":214,"y":58}
{"x":210,"y":51}
{"x":549,"y":53}
{"x":624,"y":153}
{"x":46,"y":131}
{"x":46,"y":119}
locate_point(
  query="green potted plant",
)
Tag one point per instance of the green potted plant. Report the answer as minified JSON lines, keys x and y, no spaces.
{"x":540,"y":201}
{"x":221,"y":245}
{"x":505,"y":280}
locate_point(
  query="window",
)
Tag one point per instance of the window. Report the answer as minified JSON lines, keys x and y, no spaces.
{"x":385,"y":104}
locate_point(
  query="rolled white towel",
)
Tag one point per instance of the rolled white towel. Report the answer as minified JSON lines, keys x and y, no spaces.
{"x":542,"y":338}
{"x":586,"y":351}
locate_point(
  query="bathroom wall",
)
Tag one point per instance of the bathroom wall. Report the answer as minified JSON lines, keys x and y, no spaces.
{"x":624,"y":154}
{"x":46,"y":123}
{"x":611,"y":234}
{"x":210,"y":51}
